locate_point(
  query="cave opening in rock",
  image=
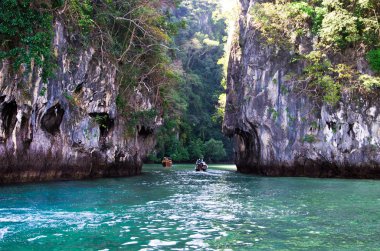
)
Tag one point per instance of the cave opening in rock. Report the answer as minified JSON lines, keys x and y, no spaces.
{"x":145,"y":131}
{"x":247,"y":150}
{"x":331,"y":125}
{"x":351,"y":129}
{"x":79,"y":88}
{"x":52,"y":119}
{"x":8,"y":117}
{"x":104,"y":121}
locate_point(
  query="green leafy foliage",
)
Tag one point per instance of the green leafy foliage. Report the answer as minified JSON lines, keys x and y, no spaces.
{"x":101,"y":120}
{"x":69,"y":98}
{"x":373,"y":58}
{"x":309,"y":138}
{"x":26,"y":34}
{"x":369,"y":82}
{"x":43,"y":91}
{"x":81,"y":11}
{"x":314,"y":125}
{"x":140,"y":118}
{"x":214,"y":150}
{"x":197,"y":118}
{"x":281,"y":24}
{"x":339,"y":28}
{"x":273,"y":113}
{"x":336,"y":26}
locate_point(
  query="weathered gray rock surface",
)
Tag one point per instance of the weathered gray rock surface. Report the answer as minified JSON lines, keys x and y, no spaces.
{"x":280,"y":133}
{"x":69,"y":127}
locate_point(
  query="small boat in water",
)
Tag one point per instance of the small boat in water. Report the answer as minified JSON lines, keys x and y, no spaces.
{"x":167,"y":162}
{"x":200,"y":165}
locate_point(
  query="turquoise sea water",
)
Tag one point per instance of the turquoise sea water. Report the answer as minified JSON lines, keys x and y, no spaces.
{"x":179,"y":209}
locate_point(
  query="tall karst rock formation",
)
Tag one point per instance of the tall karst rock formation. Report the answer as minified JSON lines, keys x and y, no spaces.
{"x":281,"y":131}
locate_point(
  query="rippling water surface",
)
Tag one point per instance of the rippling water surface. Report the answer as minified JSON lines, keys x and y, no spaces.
{"x":180,"y":209}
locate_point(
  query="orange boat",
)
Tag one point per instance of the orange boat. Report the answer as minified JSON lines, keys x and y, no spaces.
{"x":167,"y":162}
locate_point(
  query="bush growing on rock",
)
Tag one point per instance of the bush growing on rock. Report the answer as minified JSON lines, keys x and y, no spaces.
{"x":334,"y":28}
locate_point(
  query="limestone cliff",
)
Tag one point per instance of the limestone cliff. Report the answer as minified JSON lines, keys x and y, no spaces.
{"x":278,"y":132}
{"x":69,"y":127}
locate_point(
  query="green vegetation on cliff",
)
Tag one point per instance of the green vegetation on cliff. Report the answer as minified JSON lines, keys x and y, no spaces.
{"x":26,"y":34}
{"x":167,"y":50}
{"x":334,"y":39}
{"x":135,"y":34}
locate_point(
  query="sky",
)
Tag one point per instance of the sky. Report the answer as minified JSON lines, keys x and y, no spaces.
{"x":227,"y":5}
{"x":230,"y":9}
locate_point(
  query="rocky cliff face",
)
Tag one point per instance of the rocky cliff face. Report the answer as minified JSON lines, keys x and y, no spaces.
{"x":69,"y":127}
{"x":280,"y":133}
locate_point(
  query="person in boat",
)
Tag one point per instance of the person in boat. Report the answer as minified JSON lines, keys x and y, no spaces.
{"x":200,"y":165}
{"x":198,"y":162}
{"x":167,"y":162}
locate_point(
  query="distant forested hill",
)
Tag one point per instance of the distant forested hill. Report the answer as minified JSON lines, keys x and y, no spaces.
{"x":195,"y":131}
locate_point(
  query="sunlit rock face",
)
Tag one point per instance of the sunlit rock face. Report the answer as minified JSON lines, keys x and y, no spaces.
{"x":69,"y":127}
{"x":280,"y":133}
